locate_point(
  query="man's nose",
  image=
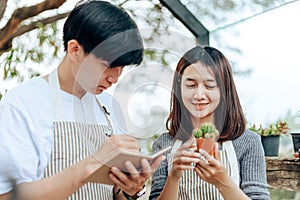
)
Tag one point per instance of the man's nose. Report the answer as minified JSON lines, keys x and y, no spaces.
{"x":113,"y":74}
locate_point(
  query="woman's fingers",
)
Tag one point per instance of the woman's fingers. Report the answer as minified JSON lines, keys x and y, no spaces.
{"x":190,"y":143}
{"x":202,"y":172}
{"x":186,"y":156}
{"x":210,"y":159}
{"x":185,"y":161}
{"x":217,"y":152}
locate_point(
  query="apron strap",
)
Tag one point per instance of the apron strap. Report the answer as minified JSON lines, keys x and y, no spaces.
{"x":111,"y":131}
{"x":234,"y":168}
{"x":58,"y":107}
{"x":176,"y":146}
{"x":170,"y":156}
{"x":55,"y":95}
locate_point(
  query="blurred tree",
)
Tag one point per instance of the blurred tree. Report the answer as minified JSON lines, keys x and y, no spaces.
{"x":30,"y":32}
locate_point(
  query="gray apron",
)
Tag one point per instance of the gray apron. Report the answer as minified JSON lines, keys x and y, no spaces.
{"x":191,"y":187}
{"x":74,"y":141}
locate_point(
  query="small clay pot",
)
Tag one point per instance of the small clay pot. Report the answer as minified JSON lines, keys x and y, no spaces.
{"x":206,"y":144}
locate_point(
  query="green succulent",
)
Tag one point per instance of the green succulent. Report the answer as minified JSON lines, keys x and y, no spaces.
{"x":206,"y":130}
{"x":273,"y":129}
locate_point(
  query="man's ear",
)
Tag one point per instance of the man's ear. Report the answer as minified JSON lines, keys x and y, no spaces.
{"x":75,"y":51}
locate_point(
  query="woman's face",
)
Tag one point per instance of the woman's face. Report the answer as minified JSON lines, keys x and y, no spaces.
{"x":200,"y":93}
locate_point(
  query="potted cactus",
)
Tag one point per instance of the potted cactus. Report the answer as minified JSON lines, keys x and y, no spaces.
{"x":206,"y":136}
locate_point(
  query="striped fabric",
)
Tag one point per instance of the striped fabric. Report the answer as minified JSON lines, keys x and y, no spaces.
{"x":250,"y":166}
{"x":191,"y":187}
{"x":72,"y":142}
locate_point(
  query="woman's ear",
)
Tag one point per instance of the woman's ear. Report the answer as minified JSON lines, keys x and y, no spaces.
{"x":75,"y":51}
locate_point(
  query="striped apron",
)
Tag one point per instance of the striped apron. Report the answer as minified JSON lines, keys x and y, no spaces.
{"x":74,"y":141}
{"x":191,"y":187}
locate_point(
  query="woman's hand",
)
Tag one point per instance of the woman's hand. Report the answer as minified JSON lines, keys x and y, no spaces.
{"x":185,"y":158}
{"x":211,"y":169}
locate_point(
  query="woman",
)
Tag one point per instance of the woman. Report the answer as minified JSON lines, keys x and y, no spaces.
{"x":204,"y":92}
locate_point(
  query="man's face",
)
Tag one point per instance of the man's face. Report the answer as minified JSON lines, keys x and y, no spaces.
{"x":95,"y":76}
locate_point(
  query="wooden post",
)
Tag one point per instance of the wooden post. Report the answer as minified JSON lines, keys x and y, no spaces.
{"x":283,"y":173}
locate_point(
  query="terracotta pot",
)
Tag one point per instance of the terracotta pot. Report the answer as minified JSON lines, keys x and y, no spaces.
{"x":207,"y":144}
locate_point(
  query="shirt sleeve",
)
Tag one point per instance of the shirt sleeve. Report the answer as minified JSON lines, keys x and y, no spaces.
{"x":253,"y":168}
{"x":18,"y":153}
{"x":161,"y":174}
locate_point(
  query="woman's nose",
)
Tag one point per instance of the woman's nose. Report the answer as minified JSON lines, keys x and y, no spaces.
{"x":200,"y":91}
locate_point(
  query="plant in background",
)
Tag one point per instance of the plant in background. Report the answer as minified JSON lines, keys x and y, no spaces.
{"x":273,"y":129}
{"x":207,"y":130}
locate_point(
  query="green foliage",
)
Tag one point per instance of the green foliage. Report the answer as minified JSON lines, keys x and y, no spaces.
{"x":278,"y":194}
{"x":206,"y":130}
{"x":9,"y":69}
{"x":44,"y":44}
{"x":273,"y":129}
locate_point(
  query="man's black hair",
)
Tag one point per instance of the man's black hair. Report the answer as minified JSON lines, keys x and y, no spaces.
{"x":106,"y":31}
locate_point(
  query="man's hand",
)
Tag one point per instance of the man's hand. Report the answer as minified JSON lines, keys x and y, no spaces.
{"x":134,"y":181}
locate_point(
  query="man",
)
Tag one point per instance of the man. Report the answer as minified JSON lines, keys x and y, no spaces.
{"x":54,"y":129}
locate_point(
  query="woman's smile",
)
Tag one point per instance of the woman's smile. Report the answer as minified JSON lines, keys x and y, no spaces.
{"x":200,"y":106}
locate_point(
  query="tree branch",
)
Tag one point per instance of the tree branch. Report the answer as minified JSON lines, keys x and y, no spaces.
{"x":122,"y":3}
{"x":26,"y":28}
{"x":3,"y":4}
{"x":21,"y":14}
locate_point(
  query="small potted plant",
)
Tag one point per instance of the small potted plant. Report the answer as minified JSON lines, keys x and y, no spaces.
{"x":206,"y":136}
{"x":270,"y":136}
{"x":295,"y":133}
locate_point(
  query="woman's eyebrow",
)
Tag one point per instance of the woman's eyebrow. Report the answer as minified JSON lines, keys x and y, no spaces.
{"x":190,"y":79}
{"x":206,"y":80}
{"x":210,"y":80}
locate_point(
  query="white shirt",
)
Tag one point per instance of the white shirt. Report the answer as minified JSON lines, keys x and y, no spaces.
{"x":26,"y":127}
